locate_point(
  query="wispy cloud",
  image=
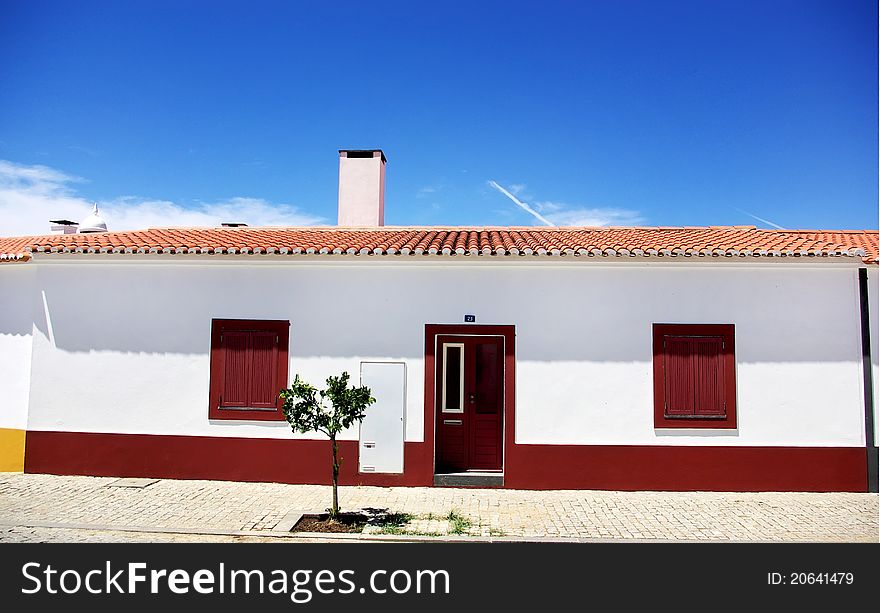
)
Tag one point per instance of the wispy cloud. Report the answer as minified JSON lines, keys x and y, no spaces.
{"x":563,"y":214}
{"x":21,"y":175}
{"x":31,"y":195}
{"x":522,"y":205}
{"x":427,"y":191}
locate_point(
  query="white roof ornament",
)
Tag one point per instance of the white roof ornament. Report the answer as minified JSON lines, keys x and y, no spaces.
{"x":93,"y":223}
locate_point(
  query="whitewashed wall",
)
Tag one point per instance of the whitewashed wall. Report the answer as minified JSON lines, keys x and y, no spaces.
{"x":16,"y":326}
{"x":122,"y":346}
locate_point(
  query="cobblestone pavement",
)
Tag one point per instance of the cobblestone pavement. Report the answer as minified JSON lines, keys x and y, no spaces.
{"x":22,"y":534}
{"x":39,"y":507}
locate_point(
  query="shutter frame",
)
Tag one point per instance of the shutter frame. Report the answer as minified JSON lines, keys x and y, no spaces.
{"x":260,"y":401}
{"x":714,"y":396}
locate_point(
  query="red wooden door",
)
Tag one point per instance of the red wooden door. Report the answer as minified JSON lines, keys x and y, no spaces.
{"x":470,"y":403}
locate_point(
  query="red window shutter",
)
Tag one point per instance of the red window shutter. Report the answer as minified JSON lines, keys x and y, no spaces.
{"x":248,"y":366}
{"x":235,"y":386}
{"x":262,"y":392}
{"x":679,"y":375}
{"x":694,"y":376}
{"x":708,"y":376}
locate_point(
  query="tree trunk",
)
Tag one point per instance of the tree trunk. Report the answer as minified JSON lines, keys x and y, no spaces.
{"x":334,"y":510}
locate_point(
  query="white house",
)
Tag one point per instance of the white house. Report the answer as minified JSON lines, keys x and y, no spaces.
{"x":712,"y":358}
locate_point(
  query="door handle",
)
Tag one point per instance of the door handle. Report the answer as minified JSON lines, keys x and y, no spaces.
{"x":472,"y":398}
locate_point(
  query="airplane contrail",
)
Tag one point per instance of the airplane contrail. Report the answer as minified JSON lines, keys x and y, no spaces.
{"x":761,"y":219}
{"x":522,"y":204}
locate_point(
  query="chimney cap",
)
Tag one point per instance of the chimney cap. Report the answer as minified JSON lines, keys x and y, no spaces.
{"x":233,"y":224}
{"x":362,"y":153}
{"x":63,"y":222}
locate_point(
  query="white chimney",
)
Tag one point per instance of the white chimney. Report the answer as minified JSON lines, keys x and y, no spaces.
{"x":361,"y":187}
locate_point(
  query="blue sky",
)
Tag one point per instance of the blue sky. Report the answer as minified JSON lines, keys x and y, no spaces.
{"x":653,"y":113}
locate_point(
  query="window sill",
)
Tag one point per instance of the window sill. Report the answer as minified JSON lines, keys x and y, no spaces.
{"x":696,"y":424}
{"x":239,"y":415}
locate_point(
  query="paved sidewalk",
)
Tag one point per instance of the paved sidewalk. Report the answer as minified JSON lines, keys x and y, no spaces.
{"x":46,"y":507}
{"x":31,"y":534}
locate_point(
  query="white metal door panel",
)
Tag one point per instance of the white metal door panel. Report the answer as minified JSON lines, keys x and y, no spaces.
{"x":381,"y":437}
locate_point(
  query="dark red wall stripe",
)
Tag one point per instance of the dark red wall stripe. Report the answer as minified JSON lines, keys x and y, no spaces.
{"x":601,"y":467}
{"x":687,"y":468}
{"x":208,"y":457}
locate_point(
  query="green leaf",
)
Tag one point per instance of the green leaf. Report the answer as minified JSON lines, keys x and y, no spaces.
{"x":305,"y":409}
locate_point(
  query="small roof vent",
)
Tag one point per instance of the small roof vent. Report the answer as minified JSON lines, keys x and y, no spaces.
{"x":93,"y":223}
{"x":62,"y":226}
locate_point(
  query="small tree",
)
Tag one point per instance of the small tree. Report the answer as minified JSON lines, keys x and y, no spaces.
{"x":305,"y":410}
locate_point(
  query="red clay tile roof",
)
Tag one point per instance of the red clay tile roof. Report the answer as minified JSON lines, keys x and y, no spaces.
{"x":713,"y":241}
{"x":866,"y":239}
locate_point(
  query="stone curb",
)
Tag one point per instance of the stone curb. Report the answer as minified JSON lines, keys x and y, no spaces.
{"x":340,"y":537}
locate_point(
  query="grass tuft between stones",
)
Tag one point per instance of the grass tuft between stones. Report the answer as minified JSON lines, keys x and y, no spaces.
{"x":458,"y":524}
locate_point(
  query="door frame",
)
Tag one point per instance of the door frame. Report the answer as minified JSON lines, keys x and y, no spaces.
{"x":508,"y":334}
